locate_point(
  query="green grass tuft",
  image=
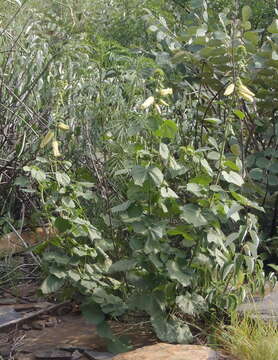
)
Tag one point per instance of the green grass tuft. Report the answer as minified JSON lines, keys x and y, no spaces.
{"x":249,"y":338}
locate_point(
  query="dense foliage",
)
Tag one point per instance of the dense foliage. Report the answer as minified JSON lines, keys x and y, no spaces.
{"x":148,"y":139}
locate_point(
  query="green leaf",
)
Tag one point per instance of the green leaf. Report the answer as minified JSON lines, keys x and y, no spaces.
{"x":274,"y":168}
{"x":62,"y":178}
{"x":213,"y":155}
{"x":51,"y":284}
{"x":74,"y":275}
{"x":139,"y":174}
{"x":246,"y":13}
{"x":175,"y":273}
{"x":104,"y":330}
{"x":164,"y":152}
{"x":231,"y":165}
{"x":213,"y":121}
{"x":92,"y":313}
{"x":62,"y":224}
{"x":262,"y":162}
{"x":192,"y":214}
{"x":273,"y":180}
{"x":246,"y":202}
{"x":191,"y":304}
{"x":168,"y":129}
{"x":257,"y":174}
{"x":118,"y":345}
{"x":195,"y":189}
{"x":122,"y":207}
{"x":123,"y":265}
{"x":38,"y":174}
{"x":239,"y":114}
{"x":171,"y":330}
{"x":273,"y":28}
{"x":215,"y":237}
{"x":202,"y":180}
{"x":86,"y":184}
{"x":196,"y":4}
{"x":58,"y":271}
{"x":274,"y":55}
{"x":22,"y":181}
{"x":68,"y":202}
{"x":166,"y":192}
{"x":56,"y":257}
{"x":252,"y":36}
{"x":156,"y":175}
{"x":233,"y":178}
{"x":226,"y":270}
{"x":185,"y":303}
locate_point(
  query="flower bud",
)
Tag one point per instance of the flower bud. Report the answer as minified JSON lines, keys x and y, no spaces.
{"x":48,"y":137}
{"x":147,"y":103}
{"x":229,"y":89}
{"x":165,"y":92}
{"x":63,"y":126}
{"x":55,"y":148}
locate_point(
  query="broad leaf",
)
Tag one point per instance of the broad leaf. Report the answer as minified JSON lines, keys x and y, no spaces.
{"x":168,"y":129}
{"x":92,"y":313}
{"x":62,"y":178}
{"x":51,"y":284}
{"x":192,"y":214}
{"x":139,"y":174}
{"x":233,"y":178}
{"x":123,"y":265}
{"x":156,"y":175}
{"x":171,"y":330}
{"x":175,"y":273}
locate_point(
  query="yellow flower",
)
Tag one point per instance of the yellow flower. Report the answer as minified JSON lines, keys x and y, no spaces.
{"x":229,"y":89}
{"x":48,"y":137}
{"x":55,"y":148}
{"x":244,"y":92}
{"x":147,"y":103}
{"x":235,"y":149}
{"x":63,"y":126}
{"x":158,"y":108}
{"x":165,"y":92}
{"x":162,"y":102}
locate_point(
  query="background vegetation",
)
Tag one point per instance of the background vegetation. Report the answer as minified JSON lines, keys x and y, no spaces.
{"x":147,"y":137}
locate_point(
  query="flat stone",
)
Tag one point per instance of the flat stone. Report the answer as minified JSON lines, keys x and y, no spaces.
{"x":96,"y":355}
{"x":164,"y":351}
{"x":53,"y":355}
{"x":26,"y":327}
{"x":51,"y":321}
{"x":5,"y":350}
{"x":7,"y":314}
{"x":7,"y":301}
{"x":265,"y":309}
{"x":38,"y":325}
{"x":76,"y":355}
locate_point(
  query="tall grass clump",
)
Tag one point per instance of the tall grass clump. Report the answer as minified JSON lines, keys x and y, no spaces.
{"x":250,"y":338}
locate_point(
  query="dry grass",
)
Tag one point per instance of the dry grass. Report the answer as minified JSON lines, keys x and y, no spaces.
{"x":249,"y":338}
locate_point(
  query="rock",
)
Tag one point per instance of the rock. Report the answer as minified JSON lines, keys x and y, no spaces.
{"x":7,"y":301}
{"x":164,"y":351}
{"x":76,"y":355}
{"x":14,"y":242}
{"x":8,"y":314}
{"x":264,"y":309}
{"x":53,"y":355}
{"x":22,"y":356}
{"x":5,"y":350}
{"x":26,"y":327}
{"x":51,"y":321}
{"x":38,"y":325}
{"x":96,"y":355}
